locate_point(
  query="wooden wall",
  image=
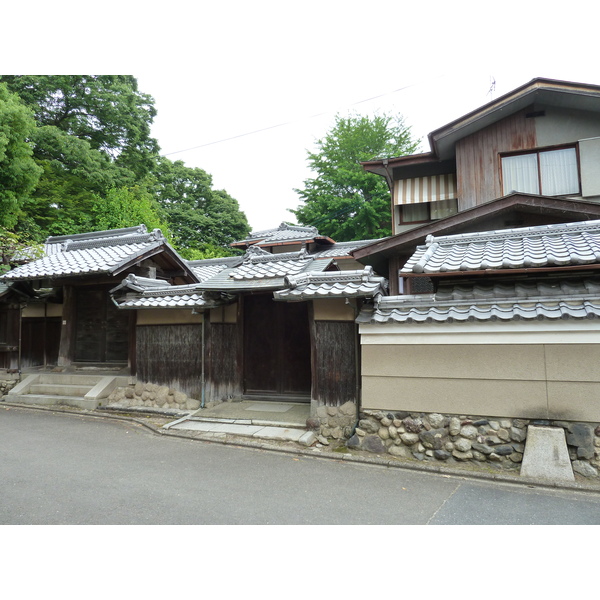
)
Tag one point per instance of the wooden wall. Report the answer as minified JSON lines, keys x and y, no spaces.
{"x":478,"y":163}
{"x":9,"y":337}
{"x":40,"y":338}
{"x":223,"y":362}
{"x":334,"y":377}
{"x":171,"y":355}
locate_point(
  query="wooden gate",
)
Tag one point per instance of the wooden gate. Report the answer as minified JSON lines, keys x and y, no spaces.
{"x":102,"y":330}
{"x":276,"y":348}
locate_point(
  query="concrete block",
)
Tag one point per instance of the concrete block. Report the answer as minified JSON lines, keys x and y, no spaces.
{"x":546,"y":455}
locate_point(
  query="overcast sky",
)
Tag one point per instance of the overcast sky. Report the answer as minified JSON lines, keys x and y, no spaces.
{"x":219,"y":71}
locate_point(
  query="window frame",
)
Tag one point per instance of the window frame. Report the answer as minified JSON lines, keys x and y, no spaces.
{"x":537,"y":152}
{"x":401,"y":220}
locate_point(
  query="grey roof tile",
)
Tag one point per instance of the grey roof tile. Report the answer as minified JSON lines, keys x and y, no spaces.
{"x":86,"y":255}
{"x":283,"y":233}
{"x":261,"y":270}
{"x":525,"y":248}
{"x":342,"y":249}
{"x":335,"y":284}
{"x":576,"y":298}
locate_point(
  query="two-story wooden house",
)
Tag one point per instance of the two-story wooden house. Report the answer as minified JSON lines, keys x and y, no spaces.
{"x":494,"y":309}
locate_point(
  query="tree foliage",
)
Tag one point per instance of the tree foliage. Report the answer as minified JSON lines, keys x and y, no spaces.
{"x":80,"y":157}
{"x":123,"y":207}
{"x":19,"y":173}
{"x":199,"y":217}
{"x":343,"y":201}
{"x":107,"y":111}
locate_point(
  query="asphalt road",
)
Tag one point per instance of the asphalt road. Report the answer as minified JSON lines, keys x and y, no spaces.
{"x":58,"y":468}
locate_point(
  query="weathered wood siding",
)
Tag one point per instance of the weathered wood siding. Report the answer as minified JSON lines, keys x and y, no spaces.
{"x":223,"y":362}
{"x":334,"y":379}
{"x":9,"y":337}
{"x":171,"y":355}
{"x":40,"y":338}
{"x":478,"y":163}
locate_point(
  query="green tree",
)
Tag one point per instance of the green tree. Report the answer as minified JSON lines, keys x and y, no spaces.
{"x":18,"y":172}
{"x":199,"y":217}
{"x":107,"y":111}
{"x":127,"y":207}
{"x":73,"y":175}
{"x":343,"y":201}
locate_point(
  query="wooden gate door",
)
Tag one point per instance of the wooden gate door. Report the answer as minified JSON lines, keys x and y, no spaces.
{"x":102,"y":330}
{"x":276,"y":348}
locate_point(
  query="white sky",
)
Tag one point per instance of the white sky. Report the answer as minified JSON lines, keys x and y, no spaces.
{"x":218,"y":70}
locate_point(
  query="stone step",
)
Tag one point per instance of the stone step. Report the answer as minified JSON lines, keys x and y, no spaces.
{"x":59,"y":389}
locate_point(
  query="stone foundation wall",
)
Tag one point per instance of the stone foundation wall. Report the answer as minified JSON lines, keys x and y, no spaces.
{"x":152,"y":396}
{"x":336,"y":422}
{"x":452,"y":438}
{"x":6,"y":386}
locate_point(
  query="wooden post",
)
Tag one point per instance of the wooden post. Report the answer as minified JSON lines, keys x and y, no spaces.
{"x":67,"y":330}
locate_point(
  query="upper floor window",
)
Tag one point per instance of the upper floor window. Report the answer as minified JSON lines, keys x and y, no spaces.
{"x":546,"y":172}
{"x":427,"y":211}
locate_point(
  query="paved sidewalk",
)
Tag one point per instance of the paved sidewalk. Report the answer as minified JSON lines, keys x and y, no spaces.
{"x":279,"y":421}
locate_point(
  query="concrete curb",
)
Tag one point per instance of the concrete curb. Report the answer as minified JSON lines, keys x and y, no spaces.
{"x":345,"y":457}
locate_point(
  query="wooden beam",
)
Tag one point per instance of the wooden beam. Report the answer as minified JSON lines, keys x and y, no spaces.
{"x":67,"y":330}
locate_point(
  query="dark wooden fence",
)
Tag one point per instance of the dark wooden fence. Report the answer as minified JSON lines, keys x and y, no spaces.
{"x":171,"y":355}
{"x":334,"y":363}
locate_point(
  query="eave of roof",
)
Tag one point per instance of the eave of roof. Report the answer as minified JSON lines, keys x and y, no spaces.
{"x":569,"y":210}
{"x":529,"y":299}
{"x":548,"y":92}
{"x":557,"y":247}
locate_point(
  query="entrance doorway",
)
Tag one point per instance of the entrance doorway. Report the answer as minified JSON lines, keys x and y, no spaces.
{"x":102,"y":330}
{"x":277,"y":359}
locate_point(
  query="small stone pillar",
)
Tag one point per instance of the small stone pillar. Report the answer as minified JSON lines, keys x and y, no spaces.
{"x":546,"y":455}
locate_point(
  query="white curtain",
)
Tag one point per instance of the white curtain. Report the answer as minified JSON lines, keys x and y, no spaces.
{"x":559,"y":172}
{"x":443,"y":208}
{"x":411,"y":213}
{"x":520,"y":174}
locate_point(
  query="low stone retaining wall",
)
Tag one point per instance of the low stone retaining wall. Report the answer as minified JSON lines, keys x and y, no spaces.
{"x":151,"y":396}
{"x":453,"y":438}
{"x":6,"y":386}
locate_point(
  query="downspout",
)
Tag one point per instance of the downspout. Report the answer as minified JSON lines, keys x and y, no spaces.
{"x":202,"y":381}
{"x":354,"y":305}
{"x":202,"y":377}
{"x":19,"y":359}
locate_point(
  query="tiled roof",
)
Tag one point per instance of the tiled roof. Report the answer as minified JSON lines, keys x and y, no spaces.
{"x":342,"y":249}
{"x":87,"y":254}
{"x":141,"y":292}
{"x":283,"y":233}
{"x":179,"y":299}
{"x":205,"y":269}
{"x":261,"y":270}
{"x":565,"y":244}
{"x":577,"y":298}
{"x":336,"y":284}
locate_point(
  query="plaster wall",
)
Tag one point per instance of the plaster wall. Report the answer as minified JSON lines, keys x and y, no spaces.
{"x":333,"y":309}
{"x":589,"y":159}
{"x":37,"y":310}
{"x":532,"y":381}
{"x":565,"y":127}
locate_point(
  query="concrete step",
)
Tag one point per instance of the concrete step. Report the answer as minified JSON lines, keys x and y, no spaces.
{"x":53,"y":400}
{"x":85,"y":391}
{"x":68,"y":379}
{"x":245,"y":428}
{"x":60,"y":389}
